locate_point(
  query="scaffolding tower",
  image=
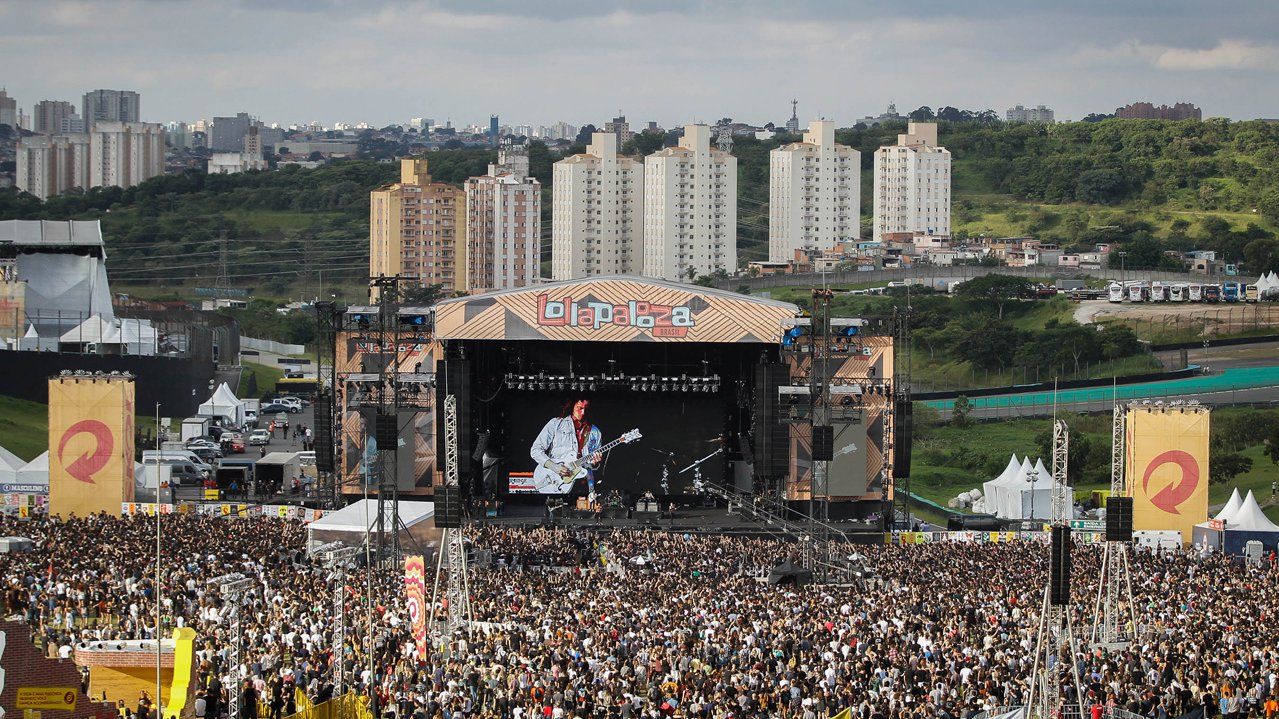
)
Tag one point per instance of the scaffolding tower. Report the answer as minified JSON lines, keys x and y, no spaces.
{"x":233,"y":587}
{"x":1061,"y":499}
{"x":452,"y":561}
{"x":1114,"y":612}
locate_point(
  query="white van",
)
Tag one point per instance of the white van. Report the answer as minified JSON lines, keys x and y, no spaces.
{"x":177,"y":456}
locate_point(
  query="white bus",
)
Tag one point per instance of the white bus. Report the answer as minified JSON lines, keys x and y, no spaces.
{"x":1158,"y":292}
{"x":1115,"y":292}
{"x":1195,"y":292}
{"x":1177,"y":293}
{"x":1137,"y":292}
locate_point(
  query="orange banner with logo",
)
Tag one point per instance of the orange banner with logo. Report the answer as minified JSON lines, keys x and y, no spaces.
{"x":415,"y":595}
{"x":1167,"y":467}
{"x":90,"y":444}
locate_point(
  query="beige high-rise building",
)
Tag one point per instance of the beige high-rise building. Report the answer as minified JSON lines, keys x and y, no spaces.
{"x":417,"y":229}
{"x":690,"y":209}
{"x":814,"y":194}
{"x":47,"y":116}
{"x":503,"y":222}
{"x":912,"y":184}
{"x":124,"y":154}
{"x":598,"y":198}
{"x":50,"y":165}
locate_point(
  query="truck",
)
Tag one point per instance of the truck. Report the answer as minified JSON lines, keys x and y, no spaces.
{"x":276,"y":473}
{"x":1230,"y":292}
{"x":193,"y":427}
{"x":234,"y":478}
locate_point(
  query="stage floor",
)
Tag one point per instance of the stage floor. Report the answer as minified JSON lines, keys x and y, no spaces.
{"x":692,"y":520}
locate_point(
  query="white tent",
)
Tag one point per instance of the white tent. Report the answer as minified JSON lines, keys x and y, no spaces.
{"x":35,"y":473}
{"x":1250,"y":518}
{"x":990,"y":502}
{"x":1227,"y":512}
{"x":1030,"y":496}
{"x":351,"y":523}
{"x":10,"y":460}
{"x":10,"y":463}
{"x":224,"y":403}
{"x":1268,"y":285}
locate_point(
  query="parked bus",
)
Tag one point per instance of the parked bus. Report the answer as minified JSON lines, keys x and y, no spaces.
{"x":1177,"y":293}
{"x":1212,"y":293}
{"x":1138,"y":292}
{"x":1251,"y":293}
{"x":1158,"y":292}
{"x":1195,"y":292}
{"x":1230,"y":291}
{"x":1115,"y":292}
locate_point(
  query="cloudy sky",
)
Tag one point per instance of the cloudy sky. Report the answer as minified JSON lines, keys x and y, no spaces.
{"x":539,"y":61}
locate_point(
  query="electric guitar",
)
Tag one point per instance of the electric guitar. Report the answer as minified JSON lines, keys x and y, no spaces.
{"x":550,"y":481}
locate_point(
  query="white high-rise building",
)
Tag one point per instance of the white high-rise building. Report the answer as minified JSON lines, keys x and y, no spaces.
{"x":111,"y":106}
{"x":504,"y":222}
{"x":1040,"y":114}
{"x":123,"y":154}
{"x":50,"y":165}
{"x":690,"y":208}
{"x":814,"y":193}
{"x":912,"y":184}
{"x":598,"y":199}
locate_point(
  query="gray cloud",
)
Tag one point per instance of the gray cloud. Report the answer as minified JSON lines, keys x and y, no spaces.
{"x":664,"y":60}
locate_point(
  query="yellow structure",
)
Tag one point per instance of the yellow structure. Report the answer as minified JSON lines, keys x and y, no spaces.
{"x":1167,"y":466}
{"x":417,"y":229}
{"x":183,"y":666}
{"x":124,"y":669}
{"x":90,"y":443}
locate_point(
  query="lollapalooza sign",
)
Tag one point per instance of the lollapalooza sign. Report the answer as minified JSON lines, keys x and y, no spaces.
{"x":661,"y":320}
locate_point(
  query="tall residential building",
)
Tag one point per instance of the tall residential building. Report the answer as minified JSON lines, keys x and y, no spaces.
{"x":8,"y":109}
{"x":690,"y":209}
{"x":1147,"y":111}
{"x":494,"y":129}
{"x":73,"y":124}
{"x":47,"y":116}
{"x":111,"y":106}
{"x":597,"y":226}
{"x":620,"y":128}
{"x":417,"y":229}
{"x":912,"y":184}
{"x":503,"y":222}
{"x":814,"y":193}
{"x":124,"y":154}
{"x":228,"y":132}
{"x":1040,"y":115}
{"x":50,"y":165}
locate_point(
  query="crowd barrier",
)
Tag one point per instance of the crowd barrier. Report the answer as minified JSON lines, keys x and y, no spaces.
{"x":977,"y":537}
{"x":226,"y":509}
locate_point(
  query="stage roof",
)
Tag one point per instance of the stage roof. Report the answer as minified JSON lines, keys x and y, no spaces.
{"x":613,"y":309}
{"x":51,"y":234}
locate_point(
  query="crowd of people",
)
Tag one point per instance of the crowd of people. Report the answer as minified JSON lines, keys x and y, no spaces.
{"x":632,"y":624}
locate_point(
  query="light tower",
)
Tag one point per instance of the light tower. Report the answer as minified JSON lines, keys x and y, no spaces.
{"x":335,"y":556}
{"x":1055,"y":644}
{"x":457,"y":595}
{"x":233,"y":588}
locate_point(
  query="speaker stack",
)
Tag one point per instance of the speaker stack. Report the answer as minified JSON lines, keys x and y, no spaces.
{"x":386,"y":430}
{"x":1119,"y":519}
{"x":903,"y":431}
{"x":1059,"y":569}
{"x":324,"y":433}
{"x":772,"y":437}
{"x":448,"y":507}
{"x":823,"y":443}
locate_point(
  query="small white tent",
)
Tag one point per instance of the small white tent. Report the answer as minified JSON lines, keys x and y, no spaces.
{"x":990,"y":503}
{"x":224,"y":403}
{"x":1232,"y":505}
{"x":1031,"y":496}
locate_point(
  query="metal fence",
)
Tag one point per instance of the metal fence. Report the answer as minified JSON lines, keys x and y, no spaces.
{"x":937,"y":276}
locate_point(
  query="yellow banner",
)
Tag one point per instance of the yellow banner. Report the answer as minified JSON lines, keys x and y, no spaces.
{"x":1167,"y":467}
{"x":415,"y":589}
{"x":47,"y":698}
{"x":90,"y":444}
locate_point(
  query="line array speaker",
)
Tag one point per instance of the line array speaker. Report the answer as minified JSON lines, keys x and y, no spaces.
{"x":448,"y":507}
{"x":1119,"y":519}
{"x":453,"y":376}
{"x":823,"y":443}
{"x":324,"y":433}
{"x":386,"y":430}
{"x":903,"y":430}
{"x":1059,"y":567}
{"x":772,"y":437}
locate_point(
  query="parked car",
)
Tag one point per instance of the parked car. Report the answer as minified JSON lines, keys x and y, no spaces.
{"x":208,"y":454}
{"x":233,"y":442}
{"x":259,"y":437}
{"x":275,"y":408}
{"x":199,"y":443}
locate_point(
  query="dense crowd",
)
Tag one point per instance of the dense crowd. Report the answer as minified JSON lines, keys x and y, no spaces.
{"x":636,"y":624}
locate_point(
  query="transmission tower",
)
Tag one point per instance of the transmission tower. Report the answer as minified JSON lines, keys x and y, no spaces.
{"x":223,"y":283}
{"x":724,"y":138}
{"x":1112,"y":626}
{"x":452,"y":560}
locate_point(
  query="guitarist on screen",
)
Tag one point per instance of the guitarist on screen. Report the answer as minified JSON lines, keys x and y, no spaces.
{"x":564,"y":440}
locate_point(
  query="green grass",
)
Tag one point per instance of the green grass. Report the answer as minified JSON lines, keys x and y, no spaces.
{"x":928,"y":375}
{"x":267,"y":376}
{"x":24,"y":427}
{"x":1003,"y":216}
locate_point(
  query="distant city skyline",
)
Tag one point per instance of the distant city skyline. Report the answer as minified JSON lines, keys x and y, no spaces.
{"x":294,"y":62}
